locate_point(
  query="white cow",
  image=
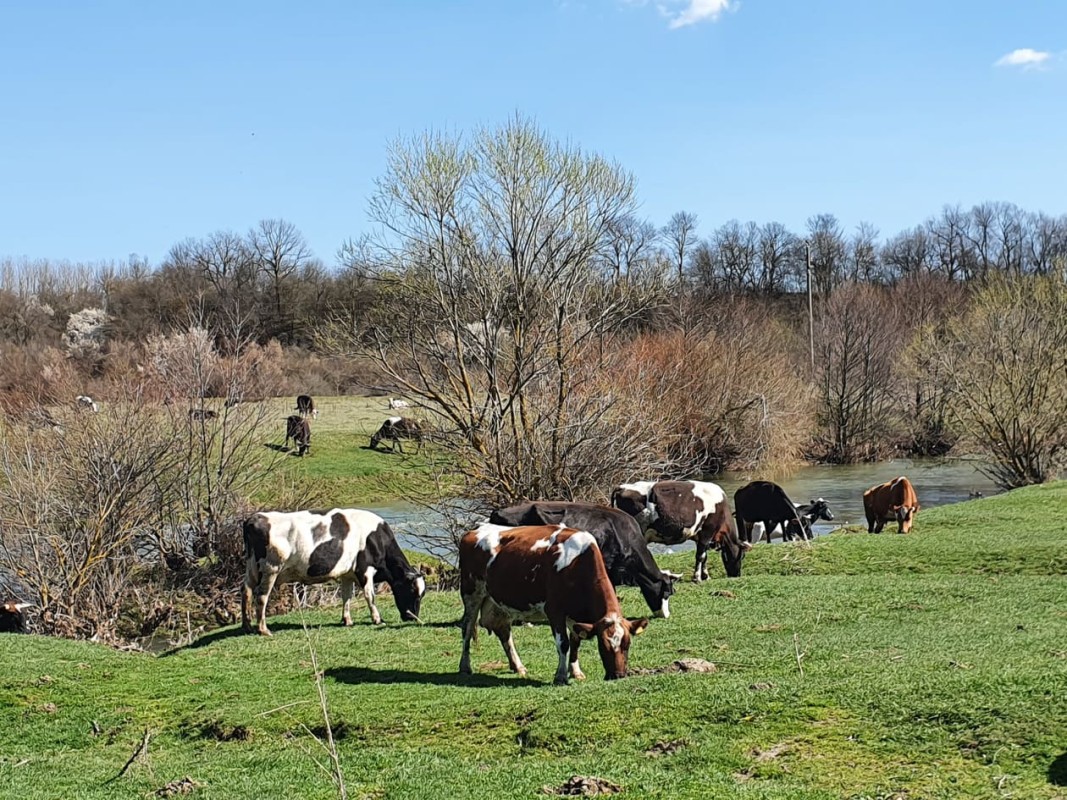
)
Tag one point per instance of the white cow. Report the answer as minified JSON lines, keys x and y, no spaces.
{"x":345,"y":544}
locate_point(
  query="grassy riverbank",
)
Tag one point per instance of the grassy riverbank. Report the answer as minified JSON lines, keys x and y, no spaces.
{"x":926,"y":666}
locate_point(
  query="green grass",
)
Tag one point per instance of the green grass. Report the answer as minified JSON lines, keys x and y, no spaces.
{"x":934,"y":666}
{"x":341,"y":470}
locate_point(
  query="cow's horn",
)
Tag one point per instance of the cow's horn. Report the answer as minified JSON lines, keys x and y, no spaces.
{"x":21,"y":606}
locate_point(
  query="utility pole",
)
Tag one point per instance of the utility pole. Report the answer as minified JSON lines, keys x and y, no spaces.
{"x":811,"y":315}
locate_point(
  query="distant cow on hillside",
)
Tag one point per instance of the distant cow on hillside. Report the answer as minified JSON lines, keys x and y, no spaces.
{"x":305,"y":406}
{"x":299,"y":430}
{"x":396,"y":428}
{"x":202,"y":414}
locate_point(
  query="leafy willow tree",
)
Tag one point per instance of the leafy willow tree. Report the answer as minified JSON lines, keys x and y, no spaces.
{"x":488,"y":313}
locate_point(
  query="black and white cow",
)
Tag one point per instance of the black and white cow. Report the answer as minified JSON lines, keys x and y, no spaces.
{"x":672,"y":512}
{"x":808,"y":513}
{"x":617,"y":534}
{"x":299,"y":430}
{"x":766,"y":504}
{"x":396,"y":428}
{"x":345,"y":544}
{"x":12,"y":620}
{"x":305,"y":406}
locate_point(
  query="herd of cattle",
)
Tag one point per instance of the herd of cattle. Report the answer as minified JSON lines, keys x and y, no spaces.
{"x":546,"y":560}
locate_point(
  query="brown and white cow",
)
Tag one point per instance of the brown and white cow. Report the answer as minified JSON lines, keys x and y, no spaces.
{"x":672,"y":512}
{"x":299,"y":430}
{"x":536,"y":572}
{"x":346,"y":544}
{"x":893,"y":500}
{"x":396,"y":428}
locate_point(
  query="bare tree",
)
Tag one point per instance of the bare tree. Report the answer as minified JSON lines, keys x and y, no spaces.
{"x":827,"y":252}
{"x":489,"y":249}
{"x":280,"y":252}
{"x":864,"y":262}
{"x":1007,"y":361}
{"x":680,"y":236}
{"x":777,"y":248}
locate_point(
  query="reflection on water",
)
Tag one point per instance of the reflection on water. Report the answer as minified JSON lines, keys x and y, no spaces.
{"x":937,"y":482}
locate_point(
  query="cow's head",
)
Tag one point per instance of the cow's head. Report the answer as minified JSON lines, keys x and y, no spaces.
{"x":634,"y":503}
{"x":905,"y":516}
{"x":819,"y":509}
{"x":408,"y":592}
{"x":732,"y":550}
{"x":613,"y":636}
{"x":658,"y":598}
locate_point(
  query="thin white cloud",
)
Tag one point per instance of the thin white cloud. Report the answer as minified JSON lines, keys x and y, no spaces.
{"x":696,"y":11}
{"x":1025,"y":57}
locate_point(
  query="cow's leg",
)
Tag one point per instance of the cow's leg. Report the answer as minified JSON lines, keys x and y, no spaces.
{"x":870,"y":523}
{"x":399,"y":445}
{"x":246,"y":601}
{"x":472,"y":606}
{"x":700,"y":568}
{"x":878,"y":525}
{"x":263,"y":589}
{"x":348,"y":589}
{"x":563,"y":646}
{"x":576,"y":671}
{"x":498,"y":621}
{"x":368,"y":595}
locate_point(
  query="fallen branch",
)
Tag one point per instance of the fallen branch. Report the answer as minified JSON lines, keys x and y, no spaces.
{"x":140,"y":749}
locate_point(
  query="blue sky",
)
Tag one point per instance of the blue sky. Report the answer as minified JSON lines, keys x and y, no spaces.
{"x":129,"y":126}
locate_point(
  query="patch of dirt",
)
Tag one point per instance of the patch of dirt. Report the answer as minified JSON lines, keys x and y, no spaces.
{"x":220,"y":733}
{"x":762,"y":686}
{"x":341,"y":730}
{"x":183,"y":786}
{"x":681,"y":665}
{"x":724,"y":593}
{"x":581,"y":786}
{"x":667,"y":748}
{"x":770,"y":753}
{"x":767,"y":628}
{"x":526,"y":717}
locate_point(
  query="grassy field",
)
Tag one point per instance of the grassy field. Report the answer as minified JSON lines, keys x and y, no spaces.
{"x":341,"y":468}
{"x":861,"y":667}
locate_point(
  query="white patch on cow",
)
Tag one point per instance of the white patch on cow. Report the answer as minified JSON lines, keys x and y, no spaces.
{"x":665,"y":608}
{"x":488,"y":536}
{"x":711,"y":494}
{"x":572,"y":547}
{"x":541,"y":544}
{"x":369,"y":576}
{"x":394,"y":420}
{"x":420,"y":585}
{"x":615,"y":637}
{"x":650,"y":514}
{"x":641,"y":487}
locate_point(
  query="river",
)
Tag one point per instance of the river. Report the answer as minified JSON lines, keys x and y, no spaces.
{"x":937,"y":482}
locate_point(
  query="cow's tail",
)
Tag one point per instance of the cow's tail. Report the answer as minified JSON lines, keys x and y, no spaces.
{"x":742,"y":532}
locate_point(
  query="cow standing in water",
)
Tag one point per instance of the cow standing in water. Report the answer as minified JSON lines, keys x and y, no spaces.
{"x":305,"y":406}
{"x":543,"y":571}
{"x":894,"y":500}
{"x":672,"y":512}
{"x":299,"y":430}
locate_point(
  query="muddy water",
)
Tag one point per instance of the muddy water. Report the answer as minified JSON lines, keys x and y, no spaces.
{"x":937,"y":482}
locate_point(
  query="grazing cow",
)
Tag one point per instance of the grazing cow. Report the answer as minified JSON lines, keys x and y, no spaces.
{"x":86,"y":403}
{"x":893,"y":500}
{"x":202,"y":414}
{"x":807,"y":514}
{"x":623,"y":548}
{"x":305,"y":406}
{"x":396,"y":428}
{"x":398,"y":403}
{"x":537,"y":572}
{"x":346,"y":544}
{"x":767,"y":503}
{"x":11,"y":617}
{"x":299,"y":430}
{"x":671,"y":512}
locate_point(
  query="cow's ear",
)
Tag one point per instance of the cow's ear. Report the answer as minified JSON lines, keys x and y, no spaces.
{"x":583,"y":630}
{"x":637,"y":626}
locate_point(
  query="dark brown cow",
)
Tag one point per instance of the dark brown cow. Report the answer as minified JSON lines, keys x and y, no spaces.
{"x":543,"y":571}
{"x":305,"y":406}
{"x":893,"y":500}
{"x":202,"y":414}
{"x":11,"y":617}
{"x":299,"y":430}
{"x":396,"y":428}
{"x":672,"y":512}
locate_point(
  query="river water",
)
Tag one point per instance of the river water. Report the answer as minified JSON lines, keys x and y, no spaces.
{"x":937,"y":482}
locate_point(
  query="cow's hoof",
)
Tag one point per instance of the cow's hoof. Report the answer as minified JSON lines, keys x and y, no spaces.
{"x":347,"y":622}
{"x":264,"y":632}
{"x":561,"y":681}
{"x":578,"y":675}
{"x":465,"y":670}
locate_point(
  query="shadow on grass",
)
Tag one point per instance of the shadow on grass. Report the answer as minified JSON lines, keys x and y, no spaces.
{"x":365,"y":675}
{"x":277,"y":448}
{"x":1057,"y":770}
